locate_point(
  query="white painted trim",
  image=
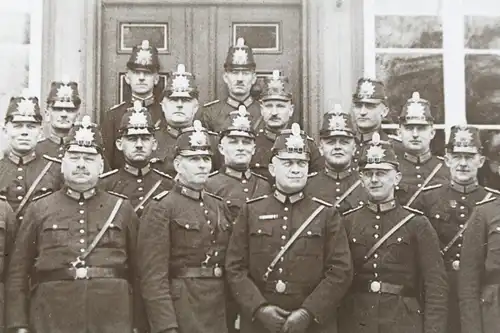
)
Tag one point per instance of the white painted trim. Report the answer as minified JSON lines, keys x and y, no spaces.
{"x":370,"y":67}
{"x":35,"y":52}
{"x":482,"y":51}
{"x":394,"y":50}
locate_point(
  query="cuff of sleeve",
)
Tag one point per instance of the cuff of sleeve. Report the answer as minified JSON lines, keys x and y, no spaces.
{"x":312,"y":314}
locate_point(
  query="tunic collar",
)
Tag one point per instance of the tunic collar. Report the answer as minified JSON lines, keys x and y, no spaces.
{"x":136,"y":171}
{"x":235,"y":103}
{"x":381,"y":207}
{"x":238,"y":174}
{"x":365,"y":137}
{"x":269,"y":134}
{"x":464,"y":188}
{"x":147,"y":101}
{"x":80,"y":195}
{"x":338,"y":175}
{"x":281,"y":197}
{"x":59,"y":140}
{"x":418,"y":159}
{"x":189,"y":192}
{"x":18,"y":160}
{"x":173,"y":131}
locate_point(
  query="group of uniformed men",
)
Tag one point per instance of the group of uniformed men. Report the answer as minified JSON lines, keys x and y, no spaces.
{"x":177,"y":219}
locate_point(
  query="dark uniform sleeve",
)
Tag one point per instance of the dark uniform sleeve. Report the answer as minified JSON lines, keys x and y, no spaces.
{"x":431,"y":267}
{"x":473,"y":256}
{"x":325,"y":298}
{"x":108,"y":137}
{"x":21,"y":262}
{"x":153,"y":262}
{"x":245,"y":292}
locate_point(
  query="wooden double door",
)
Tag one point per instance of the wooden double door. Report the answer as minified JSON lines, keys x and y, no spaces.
{"x":198,"y":34}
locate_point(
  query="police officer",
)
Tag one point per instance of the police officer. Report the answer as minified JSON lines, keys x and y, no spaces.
{"x":338,"y":182}
{"x":479,"y":279}
{"x":179,"y":104}
{"x":449,"y":207}
{"x":63,"y":106}
{"x":138,"y":180}
{"x":24,"y":173}
{"x":8,"y":227}
{"x":489,"y":175}
{"x":288,"y":262}
{"x":72,"y":268}
{"x":277,"y":109}
{"x":240,"y":78}
{"x":420,"y":169}
{"x":182,"y":243}
{"x":395,"y":252}
{"x":142,"y":76}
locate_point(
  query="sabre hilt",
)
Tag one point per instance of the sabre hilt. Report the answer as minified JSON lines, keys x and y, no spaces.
{"x":267,"y":273}
{"x":204,"y":263}
{"x":78,"y":263}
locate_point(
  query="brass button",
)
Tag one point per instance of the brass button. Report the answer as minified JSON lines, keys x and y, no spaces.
{"x":20,"y":177}
{"x":82,"y":241}
{"x":375,"y":286}
{"x":245,"y":190}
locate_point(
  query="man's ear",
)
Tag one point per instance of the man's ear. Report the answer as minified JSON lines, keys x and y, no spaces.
{"x":272,"y":167}
{"x":101,"y":164}
{"x":220,"y":147}
{"x":433,"y":132}
{"x":398,"y":177}
{"x":46,"y":113}
{"x":127,"y":78}
{"x":156,"y":78}
{"x":177,"y":164}
{"x":385,"y":110}
{"x":447,"y":159}
{"x":254,"y":78}
{"x":225,"y":78}
{"x":119,"y":144}
{"x":482,"y":159}
{"x":292,"y":109}
{"x":155,"y":144}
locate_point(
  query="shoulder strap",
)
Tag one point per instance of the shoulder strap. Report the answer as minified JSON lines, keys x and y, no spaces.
{"x":107,"y":174}
{"x":382,"y":240}
{"x":50,"y":158}
{"x":256,"y":125}
{"x":32,"y":187}
{"x":211,"y":103}
{"x":424,"y":184}
{"x":163,"y":174}
{"x":292,"y":240}
{"x":148,"y":195}
{"x":120,"y":195}
{"x":347,"y":192}
{"x":160,"y":195}
{"x":259,"y":175}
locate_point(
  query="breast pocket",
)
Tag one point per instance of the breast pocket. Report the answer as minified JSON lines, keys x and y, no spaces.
{"x":54,"y":235}
{"x":310,"y":241}
{"x":261,"y":238}
{"x":114,"y":236}
{"x":399,"y":248}
{"x":187,"y":233}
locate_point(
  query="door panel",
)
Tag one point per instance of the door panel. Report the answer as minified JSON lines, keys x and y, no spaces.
{"x":199,"y":37}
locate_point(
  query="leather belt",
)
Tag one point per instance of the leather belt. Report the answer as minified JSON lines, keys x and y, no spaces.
{"x":380,"y":287}
{"x":83,"y":273}
{"x":197,"y":272}
{"x":283,"y":287}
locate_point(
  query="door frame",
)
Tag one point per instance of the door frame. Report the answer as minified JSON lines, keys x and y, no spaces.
{"x":310,"y":58}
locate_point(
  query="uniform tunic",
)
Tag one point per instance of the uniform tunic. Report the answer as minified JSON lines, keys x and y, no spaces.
{"x":8,"y":228}
{"x":448,"y":208}
{"x":479,"y":280}
{"x":56,"y":230}
{"x":264,"y":142}
{"x":313,"y":274}
{"x":409,"y":258}
{"x":215,"y":116}
{"x":183,"y":229}
{"x":415,"y":169}
{"x":111,"y":124}
{"x":52,"y":146}
{"x":18,"y":174}
{"x":165,"y":154}
{"x":136,"y":183}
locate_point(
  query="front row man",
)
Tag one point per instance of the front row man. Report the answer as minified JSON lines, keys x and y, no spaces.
{"x":288,"y":262}
{"x":72,"y":268}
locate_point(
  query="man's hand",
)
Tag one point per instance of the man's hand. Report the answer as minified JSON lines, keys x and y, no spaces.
{"x":272,"y":317}
{"x":22,"y":330}
{"x":297,"y":322}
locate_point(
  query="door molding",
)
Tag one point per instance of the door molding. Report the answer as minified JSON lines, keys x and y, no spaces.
{"x":311,"y":19}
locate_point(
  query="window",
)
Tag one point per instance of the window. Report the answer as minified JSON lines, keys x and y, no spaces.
{"x":448,"y":50}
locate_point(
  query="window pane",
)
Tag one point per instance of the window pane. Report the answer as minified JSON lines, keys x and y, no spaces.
{"x":408,"y":32}
{"x":482,"y":32}
{"x":399,"y":7}
{"x":405,"y":73}
{"x":14,"y":28}
{"x":482,"y":79}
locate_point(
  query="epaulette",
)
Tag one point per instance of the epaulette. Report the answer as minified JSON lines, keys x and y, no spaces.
{"x":43,"y":195}
{"x":440,"y":157}
{"x":163,"y":174}
{"x":160,"y":195}
{"x":123,"y":196}
{"x":107,"y":174}
{"x":211,"y":174}
{"x":432,"y":187}
{"x":3,"y":197}
{"x":325,"y":203}
{"x":154,"y":160}
{"x":413,"y":210}
{"x":257,"y":198}
{"x":42,"y":139}
{"x":309,"y":138}
{"x":394,"y":137}
{"x":258,"y":175}
{"x":52,"y":159}
{"x":312,"y":174}
{"x":211,"y":103}
{"x":492,"y":190}
{"x":214,"y":196}
{"x":482,"y":202}
{"x":347,"y":212}
{"x":117,"y":105}
{"x":212,"y":133}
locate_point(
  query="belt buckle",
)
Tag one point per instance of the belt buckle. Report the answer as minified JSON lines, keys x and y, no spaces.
{"x":280,"y":287}
{"x":218,"y":272}
{"x":455,"y":265}
{"x":375,"y":286}
{"x":81,"y":273}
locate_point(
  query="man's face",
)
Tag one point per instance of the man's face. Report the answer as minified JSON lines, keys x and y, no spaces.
{"x":81,"y":169}
{"x":193,"y":170}
{"x":380,"y":183}
{"x":368,"y":116}
{"x":237,"y":150}
{"x":275,"y":113}
{"x":290,"y":174}
{"x":338,"y":151}
{"x":179,"y":111}
{"x":22,"y":136}
{"x":62,"y":118}
{"x":141,"y":82}
{"x":137,"y":148}
{"x":464,"y":166}
{"x":240,"y":82}
{"x":417,"y":138}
